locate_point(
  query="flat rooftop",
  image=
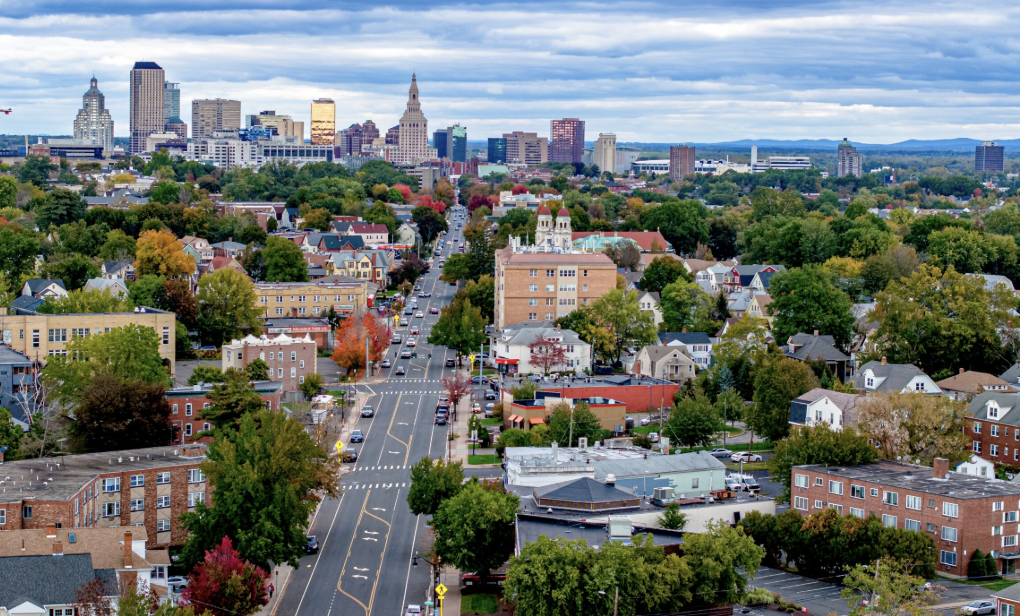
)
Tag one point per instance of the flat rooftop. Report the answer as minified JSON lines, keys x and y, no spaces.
{"x":61,"y":477}
{"x":609,"y":380}
{"x":919,"y":479}
{"x":531,"y":527}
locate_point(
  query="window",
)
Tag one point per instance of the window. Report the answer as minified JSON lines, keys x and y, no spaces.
{"x":533,"y":301}
{"x":549,"y":301}
{"x":187,"y":409}
{"x":163,"y":477}
{"x":800,"y":502}
{"x":859,"y":513}
{"x":279,"y":311}
{"x":835,"y":487}
{"x":996,"y":531}
{"x":111,"y":485}
{"x":162,"y":526}
{"x":206,"y":426}
{"x":293,"y":355}
{"x":694,"y":483}
{"x":195,"y":476}
{"x":1009,"y":516}
{"x":57,"y":335}
{"x":1009,"y":541}
{"x":61,"y":611}
{"x":891,"y":498}
{"x":919,"y":386}
{"x":549,"y":288}
{"x":187,"y":429}
{"x":532,"y":316}
{"x":301,"y":298}
{"x":949,"y":534}
{"x":838,"y":508}
{"x":195,"y":497}
{"x":948,"y":558}
{"x":818,"y":481}
{"x":137,"y":504}
{"x":3,"y":515}
{"x":912,"y":524}
{"x":951,"y":510}
{"x":801,"y":481}
{"x":35,"y":338}
{"x":550,"y":273}
{"x":137,"y":481}
{"x":856,"y":491}
{"x":874,"y":491}
{"x":976,"y":446}
{"x":301,"y":364}
{"x":533,"y":288}
{"x":585,"y":273}
{"x":914,"y":502}
{"x":162,"y":502}
{"x":818,"y":504}
{"x":997,"y":505}
{"x":279,"y":373}
{"x":930,"y":527}
{"x":977,"y":427}
{"x":870,"y":382}
{"x":111,"y":509}
{"x":166,"y":336}
{"x":889,"y":521}
{"x":293,"y":372}
{"x":585,"y":288}
{"x":995,"y":430}
{"x":533,"y":273}
{"x":26,"y":512}
{"x":175,"y":409}
{"x":993,"y":450}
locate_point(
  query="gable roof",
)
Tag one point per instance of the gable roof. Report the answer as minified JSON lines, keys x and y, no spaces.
{"x":814,"y":347}
{"x":341,"y":242}
{"x":684,"y":337}
{"x":112,"y":267}
{"x":37,"y":285}
{"x":105,"y":545}
{"x":1005,"y":400}
{"x":657,"y":353}
{"x":27,"y":303}
{"x":44,"y":580}
{"x":896,"y":376}
{"x":846,"y":403}
{"x":1012,"y":375}
{"x":105,"y":284}
{"x":972,"y":381}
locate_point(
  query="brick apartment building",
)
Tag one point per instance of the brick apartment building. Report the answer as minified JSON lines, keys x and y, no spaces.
{"x":290,"y":359}
{"x":310,"y":299}
{"x":187,"y":402}
{"x":993,"y":427}
{"x":148,"y":487}
{"x":962,"y":513}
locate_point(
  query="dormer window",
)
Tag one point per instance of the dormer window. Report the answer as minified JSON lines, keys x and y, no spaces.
{"x":919,"y":386}
{"x":869,"y":383}
{"x":993,"y":410}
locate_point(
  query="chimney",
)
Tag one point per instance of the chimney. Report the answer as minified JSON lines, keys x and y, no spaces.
{"x":127,"y":549}
{"x":883,"y":360}
{"x":683,"y":330}
{"x":961,"y":370}
{"x":51,"y":531}
{"x":940,"y":468}
{"x":816,"y":332}
{"x":58,"y":548}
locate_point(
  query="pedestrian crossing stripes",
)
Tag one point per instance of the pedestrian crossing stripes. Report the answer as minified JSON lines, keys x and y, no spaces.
{"x":424,"y":393}
{"x":373,"y":486}
{"x":395,"y":467}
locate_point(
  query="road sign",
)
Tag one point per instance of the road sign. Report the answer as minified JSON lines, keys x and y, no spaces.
{"x":471,"y":359}
{"x":396,"y":319}
{"x":339,"y":446}
{"x":441,"y":590}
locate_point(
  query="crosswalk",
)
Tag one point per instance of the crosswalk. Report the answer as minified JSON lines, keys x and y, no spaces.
{"x":374,"y":486}
{"x":424,"y":393}
{"x":395,"y":467}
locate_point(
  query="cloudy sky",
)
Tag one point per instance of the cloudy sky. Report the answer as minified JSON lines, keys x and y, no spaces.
{"x":655,"y":70}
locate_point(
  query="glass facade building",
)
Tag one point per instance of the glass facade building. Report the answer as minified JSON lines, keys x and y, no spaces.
{"x":497,"y":150}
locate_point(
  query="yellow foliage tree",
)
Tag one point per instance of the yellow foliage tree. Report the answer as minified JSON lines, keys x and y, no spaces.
{"x":844,"y":267}
{"x":162,"y":254}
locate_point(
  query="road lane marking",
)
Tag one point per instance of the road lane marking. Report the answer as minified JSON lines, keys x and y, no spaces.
{"x":316,"y":566}
{"x":339,"y":581}
{"x":364,"y":577}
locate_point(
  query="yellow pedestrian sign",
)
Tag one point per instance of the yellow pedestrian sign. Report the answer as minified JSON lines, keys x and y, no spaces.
{"x":339,"y":446}
{"x":396,"y":320}
{"x":471,"y":359}
{"x":441,"y":590}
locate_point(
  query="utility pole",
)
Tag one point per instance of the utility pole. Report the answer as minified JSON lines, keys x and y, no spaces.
{"x":616,"y":600}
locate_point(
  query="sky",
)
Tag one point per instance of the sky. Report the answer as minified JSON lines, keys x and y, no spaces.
{"x":649,"y":71}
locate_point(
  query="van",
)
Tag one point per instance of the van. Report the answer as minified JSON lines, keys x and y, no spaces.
{"x":736,"y":481}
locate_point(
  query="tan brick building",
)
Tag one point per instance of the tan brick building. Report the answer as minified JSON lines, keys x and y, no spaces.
{"x":40,"y":335}
{"x":311,"y":299}
{"x":290,"y":359}
{"x":148,"y":487}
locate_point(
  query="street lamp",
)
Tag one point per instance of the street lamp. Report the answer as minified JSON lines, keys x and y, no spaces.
{"x":616,"y":598}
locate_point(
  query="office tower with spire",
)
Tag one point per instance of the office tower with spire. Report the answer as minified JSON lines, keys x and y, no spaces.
{"x":413,"y":140}
{"x":146,"y":104}
{"x":323,"y":129}
{"x":94,"y":121}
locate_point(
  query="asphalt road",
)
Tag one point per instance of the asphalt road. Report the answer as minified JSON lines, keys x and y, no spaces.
{"x":368,"y":536}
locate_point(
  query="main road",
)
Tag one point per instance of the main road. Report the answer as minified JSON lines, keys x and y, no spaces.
{"x":368,"y":536}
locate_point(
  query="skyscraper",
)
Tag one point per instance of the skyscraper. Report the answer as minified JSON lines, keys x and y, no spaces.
{"x":282,"y":125}
{"x":213,"y":115}
{"x":323,"y":122}
{"x":440,"y":141}
{"x":457,"y":143}
{"x":567,"y":137}
{"x":848,"y":161}
{"x":681,"y":161}
{"x":497,"y":150}
{"x":526,"y":148}
{"x":94,"y":121}
{"x":171,"y":100}
{"x":147,"y":109}
{"x":988,"y":157}
{"x":604,"y":154}
{"x":414,"y":130}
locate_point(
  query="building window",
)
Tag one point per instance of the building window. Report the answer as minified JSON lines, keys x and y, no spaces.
{"x":891,"y":498}
{"x":166,"y":336}
{"x":995,"y":430}
{"x":195,"y":476}
{"x":997,"y":505}
{"x":800,"y":502}
{"x":111,"y":509}
{"x":947,"y":558}
{"x":1009,"y":516}
{"x":163,"y":477}
{"x":818,"y":481}
{"x":35,"y":338}
{"x":949,"y":534}
{"x":137,"y":481}
{"x":293,"y":355}
{"x":187,"y":429}
{"x":977,"y":427}
{"x":137,"y":504}
{"x":162,"y":526}
{"x":1009,"y":541}
{"x":533,"y":273}
{"x":3,"y":515}
{"x":111,"y":485}
{"x":993,"y":450}
{"x":913,"y":502}
{"x":996,"y":531}
{"x":838,"y":508}
{"x":889,"y":521}
{"x":533,"y":301}
{"x":532,"y":316}
{"x":26,"y":512}
{"x":187,"y":409}
{"x":912,"y":524}
{"x":550,"y":273}
{"x":801,"y":481}
{"x":694,"y":483}
{"x":293,"y":372}
{"x":279,"y":373}
{"x":279,"y":311}
{"x":836,"y":487}
{"x":195,"y":497}
{"x":857,"y":513}
{"x":856,"y":491}
{"x":57,"y":335}
{"x":162,"y":502}
{"x":175,"y":409}
{"x":818,"y":504}
{"x":976,"y":446}
{"x":951,"y":510}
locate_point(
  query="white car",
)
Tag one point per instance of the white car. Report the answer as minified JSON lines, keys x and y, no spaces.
{"x":419,"y":315}
{"x":745,"y":456}
{"x":977,"y":607}
{"x":721,"y":452}
{"x":413,"y":610}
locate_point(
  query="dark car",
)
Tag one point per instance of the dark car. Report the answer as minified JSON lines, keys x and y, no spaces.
{"x":312,"y":547}
{"x":451,"y":363}
{"x":367,"y":411}
{"x":400,"y":370}
{"x":479,"y":380}
{"x":357,"y":436}
{"x":490,"y":395}
{"x":349,"y":455}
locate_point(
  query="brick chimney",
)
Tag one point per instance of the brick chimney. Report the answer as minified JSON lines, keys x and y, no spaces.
{"x":883,"y":360}
{"x":961,"y":371}
{"x":58,"y":548}
{"x":816,"y":332}
{"x":51,"y":531}
{"x":940,"y":468}
{"x":127,"y":549}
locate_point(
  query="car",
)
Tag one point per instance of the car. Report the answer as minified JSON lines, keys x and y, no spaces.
{"x":408,"y":310}
{"x":490,"y":395}
{"x":349,"y":455}
{"x":745,"y":456}
{"x":721,"y":452}
{"x":411,"y":342}
{"x":732,"y":483}
{"x":441,"y":419}
{"x":476,"y":408}
{"x":419,"y":315}
{"x":396,"y":339}
{"x":653,"y":436}
{"x":451,"y":363}
{"x":479,"y":380}
{"x":646,"y":421}
{"x":386,"y":363}
{"x":413,"y":610}
{"x":176,"y":584}
{"x":367,"y":411}
{"x":433,"y":310}
{"x":424,"y":294}
{"x":405,"y":354}
{"x":978,"y":606}
{"x":415,"y":331}
{"x":357,"y":437}
{"x":404,"y":321}
{"x":473,"y":579}
{"x":400,"y":370}
{"x":449,"y":243}
{"x":312,"y":547}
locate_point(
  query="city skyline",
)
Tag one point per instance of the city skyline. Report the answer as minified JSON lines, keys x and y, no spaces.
{"x":647,"y":72}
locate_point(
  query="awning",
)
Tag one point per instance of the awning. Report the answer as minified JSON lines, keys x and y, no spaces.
{"x":514,"y":419}
{"x":506,"y":360}
{"x":536,"y":420}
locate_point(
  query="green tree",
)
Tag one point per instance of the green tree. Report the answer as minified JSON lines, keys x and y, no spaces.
{"x":817,"y":445}
{"x":965,"y":249}
{"x":231,"y":400}
{"x":776,"y":383}
{"x":110,"y":412}
{"x":312,"y":385}
{"x":896,"y":263}
{"x":620,"y":314}
{"x":117,"y":247}
{"x":267,"y":477}
{"x":93,"y":301}
{"x":61,"y":206}
{"x":146,"y":290}
{"x":10,"y":434}
{"x":686,"y":306}
{"x":460,"y":327}
{"x":693,"y":422}
{"x":432,"y":483}
{"x":766,"y":202}
{"x":18,"y":250}
{"x":663,"y":271}
{"x":430,"y":223}
{"x":81,"y":237}
{"x":8,"y":191}
{"x":806,"y":299}
{"x":227,"y":306}
{"x":456,"y":268}
{"x":75,"y":270}
{"x":257,"y":370}
{"x":723,"y":559}
{"x":889,"y":587}
{"x":682,"y":223}
{"x":482,"y":293}
{"x":36,"y":169}
{"x":284,"y":261}
{"x":672,"y":518}
{"x":317,"y":219}
{"x":475,"y":528}
{"x":566,"y":427}
{"x":206,"y":374}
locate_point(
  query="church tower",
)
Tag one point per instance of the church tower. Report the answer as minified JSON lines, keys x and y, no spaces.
{"x":562,"y":236}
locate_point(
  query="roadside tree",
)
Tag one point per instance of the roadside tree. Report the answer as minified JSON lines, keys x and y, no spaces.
{"x":432,"y":483}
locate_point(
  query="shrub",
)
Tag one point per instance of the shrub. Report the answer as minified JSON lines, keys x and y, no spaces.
{"x":760,"y":596}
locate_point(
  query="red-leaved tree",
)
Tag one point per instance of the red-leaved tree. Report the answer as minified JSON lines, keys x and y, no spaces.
{"x":349,"y":345}
{"x":226,"y":585}
{"x":429,"y":202}
{"x":457,"y":386}
{"x":519,"y":190}
{"x":477,"y":201}
{"x":405,"y":191}
{"x":547,"y":354}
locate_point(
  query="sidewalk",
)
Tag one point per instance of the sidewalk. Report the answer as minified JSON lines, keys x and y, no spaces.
{"x":278,"y":577}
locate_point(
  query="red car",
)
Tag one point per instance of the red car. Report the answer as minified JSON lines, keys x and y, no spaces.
{"x":433,"y":310}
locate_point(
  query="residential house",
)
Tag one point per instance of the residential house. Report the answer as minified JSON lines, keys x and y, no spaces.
{"x":665,"y":362}
{"x":759,"y":307}
{"x":373,"y":234}
{"x":407,"y":233}
{"x":17,"y":384}
{"x":113,"y":286}
{"x":200,"y":247}
{"x":762,"y":281}
{"x":228,"y":249}
{"x":699,"y":346}
{"x":977,"y":466}
{"x":744,"y":276}
{"x":515,"y":346}
{"x":994,"y":281}
{"x":217,"y":263}
{"x":812,"y":347}
{"x":290,"y":359}
{"x":42,"y":288}
{"x":648,"y":257}
{"x":969,"y":383}
{"x":715,"y":275}
{"x":739,"y":302}
{"x":1012,"y":375}
{"x":649,"y":302}
{"x":823,"y":406}
{"x":994,"y":426}
{"x":118,"y":270}
{"x":337,"y":243}
{"x":187,"y":402}
{"x":1007,"y":600}
{"x":374,"y":265}
{"x":879,"y":376}
{"x":47,"y":584}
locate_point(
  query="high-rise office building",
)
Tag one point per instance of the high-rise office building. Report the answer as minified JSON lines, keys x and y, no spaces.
{"x":414,"y":130}
{"x":393,"y":135}
{"x":440,"y":141}
{"x":497,"y":150}
{"x":526,"y":148}
{"x":281,"y":125}
{"x":94,"y":121}
{"x":171,"y":100}
{"x":351,"y":140}
{"x":209,"y":116}
{"x":604,"y":154}
{"x":369,"y":131}
{"x":681,"y":161}
{"x":451,"y":143}
{"x":323,"y":122}
{"x":848,"y":161}
{"x":567,"y":140}
{"x":146,"y":104}
{"x":988,"y":157}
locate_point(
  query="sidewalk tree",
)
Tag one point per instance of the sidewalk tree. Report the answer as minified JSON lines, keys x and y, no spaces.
{"x":693,"y":422}
{"x":162,"y":254}
{"x":817,"y":445}
{"x":110,"y":412}
{"x":228,"y":307}
{"x":475,"y":528}
{"x":432,"y":482}
{"x":268,"y":476}
{"x":430,"y":223}
{"x":457,"y":387}
{"x":457,"y":267}
{"x":460,"y":327}
{"x":566,"y":427}
{"x":349,"y":343}
{"x":225,"y":584}
{"x":482,"y":293}
{"x":547,"y":354}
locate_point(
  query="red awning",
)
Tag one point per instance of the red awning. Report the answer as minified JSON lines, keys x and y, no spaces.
{"x":536,"y":420}
{"x":514,"y":419}
{"x":505,"y":360}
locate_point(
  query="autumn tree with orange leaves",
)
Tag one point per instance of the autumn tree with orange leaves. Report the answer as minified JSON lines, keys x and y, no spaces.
{"x":349,"y":345}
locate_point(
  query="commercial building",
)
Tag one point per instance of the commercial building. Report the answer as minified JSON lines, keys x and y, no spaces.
{"x":94,"y":123}
{"x":352,"y":140}
{"x":217,"y":115}
{"x":789,"y":163}
{"x":497,"y":150}
{"x":186,"y":404}
{"x":604,"y":154}
{"x":316,"y":328}
{"x":526,"y":148}
{"x":310,"y":299}
{"x":988,"y":157}
{"x":681,"y":161}
{"x":229,"y":150}
{"x":146,"y":103}
{"x":281,"y":125}
{"x":323,"y":128}
{"x":515,"y":348}
{"x":526,"y":414}
{"x":567,"y":140}
{"x":413,"y":132}
{"x":290,"y":359}
{"x":962,"y":513}
{"x":848,"y":161}
{"x":171,"y":100}
{"x":639,"y":393}
{"x":148,"y":487}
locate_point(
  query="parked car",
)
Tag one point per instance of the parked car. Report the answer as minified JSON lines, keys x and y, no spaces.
{"x":176,"y":584}
{"x":488,"y":409}
{"x":386,"y":363}
{"x":413,"y":610}
{"x":367,"y":411}
{"x":744,"y":482}
{"x":476,"y":408}
{"x":745,"y":456}
{"x":732,"y":483}
{"x":473,"y":579}
{"x":400,"y":370}
{"x":357,"y":437}
{"x":977,"y":607}
{"x":312,"y":547}
{"x":653,"y":436}
{"x":479,"y":380}
{"x":721,"y":452}
{"x":451,"y":363}
{"x":349,"y":455}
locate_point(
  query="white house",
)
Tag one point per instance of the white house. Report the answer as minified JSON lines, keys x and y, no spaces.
{"x":649,"y":302}
{"x":699,"y":346}
{"x":44,"y":287}
{"x":976,"y":466}
{"x":880,"y":376}
{"x":666,"y":362}
{"x":407,"y":233}
{"x":822,"y":406}
{"x":514,"y":347}
{"x":113,"y":286}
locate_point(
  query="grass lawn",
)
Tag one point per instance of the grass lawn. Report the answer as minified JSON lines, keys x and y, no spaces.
{"x":478,"y":604}
{"x":748,"y":466}
{"x":491,"y":421}
{"x":645,"y":429}
{"x":484,"y":458}
{"x":337,"y":393}
{"x":732,"y":430}
{"x":993,"y":585}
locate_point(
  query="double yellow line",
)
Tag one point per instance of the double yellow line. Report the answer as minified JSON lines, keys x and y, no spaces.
{"x":407,"y":445}
{"x":350,"y":548}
